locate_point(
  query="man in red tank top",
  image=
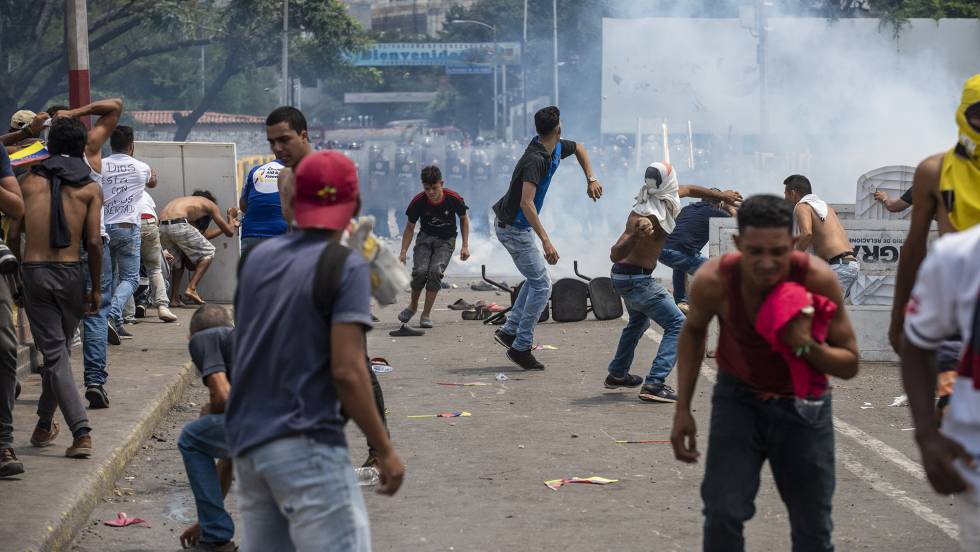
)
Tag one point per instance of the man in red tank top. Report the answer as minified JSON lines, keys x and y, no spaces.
{"x":754,"y":415}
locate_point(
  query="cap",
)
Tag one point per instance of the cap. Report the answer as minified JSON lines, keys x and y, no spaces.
{"x":22,"y":118}
{"x":325,"y":191}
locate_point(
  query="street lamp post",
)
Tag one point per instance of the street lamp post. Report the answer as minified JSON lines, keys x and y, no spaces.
{"x":493,"y":29}
{"x":524,"y":74}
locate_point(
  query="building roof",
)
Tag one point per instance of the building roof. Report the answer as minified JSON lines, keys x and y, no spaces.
{"x":166,"y":117}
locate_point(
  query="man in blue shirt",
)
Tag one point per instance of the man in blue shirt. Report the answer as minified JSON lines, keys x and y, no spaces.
{"x":517,"y":215}
{"x":300,"y":356}
{"x":260,"y":202}
{"x":682,"y":251}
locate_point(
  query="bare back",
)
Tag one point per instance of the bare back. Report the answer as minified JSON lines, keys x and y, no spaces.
{"x":81,"y":205}
{"x":190,"y":207}
{"x":829,"y":237}
{"x":646,"y":250}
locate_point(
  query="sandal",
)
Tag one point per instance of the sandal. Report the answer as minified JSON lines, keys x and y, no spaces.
{"x":460,"y":305}
{"x":405,"y":331}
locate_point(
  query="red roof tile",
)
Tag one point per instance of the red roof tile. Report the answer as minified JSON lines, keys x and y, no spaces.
{"x":166,"y":117}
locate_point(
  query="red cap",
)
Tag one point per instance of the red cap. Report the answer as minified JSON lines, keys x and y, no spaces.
{"x":325,"y":191}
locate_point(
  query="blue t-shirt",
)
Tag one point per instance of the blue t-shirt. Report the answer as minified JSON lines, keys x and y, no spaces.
{"x":691,"y":232}
{"x":5,"y":168}
{"x":283,"y":383}
{"x":263,"y":212}
{"x":536,"y":167}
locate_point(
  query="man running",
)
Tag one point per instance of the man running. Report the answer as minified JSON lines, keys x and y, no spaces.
{"x":755,"y":415}
{"x":62,"y":204}
{"x":635,"y":256}
{"x":437,"y":207}
{"x":819,"y":229}
{"x":682,"y":250}
{"x":946,"y":187}
{"x":185,"y":232}
{"x":517,"y":215}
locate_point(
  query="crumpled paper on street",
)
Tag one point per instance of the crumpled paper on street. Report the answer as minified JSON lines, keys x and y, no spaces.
{"x":122,"y":521}
{"x":593,"y":480}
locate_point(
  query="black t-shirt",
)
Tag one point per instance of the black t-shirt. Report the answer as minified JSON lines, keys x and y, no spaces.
{"x":535,"y":167}
{"x":212,"y":350}
{"x":691,"y":231}
{"x":438,"y":219}
{"x":5,"y":168}
{"x":907,"y":196}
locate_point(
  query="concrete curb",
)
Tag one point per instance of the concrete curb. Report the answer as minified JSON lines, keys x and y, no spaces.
{"x":61,"y":534}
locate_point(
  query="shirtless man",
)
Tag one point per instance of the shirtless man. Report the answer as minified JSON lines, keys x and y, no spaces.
{"x":185,"y":232}
{"x":755,"y":415}
{"x":939,"y":179}
{"x":819,"y":230}
{"x":62,"y":203}
{"x":285,"y":128}
{"x":635,"y":256}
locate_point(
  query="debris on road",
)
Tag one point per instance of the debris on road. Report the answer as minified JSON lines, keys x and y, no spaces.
{"x":554,"y":484}
{"x":644,"y":442}
{"x":901,"y":400}
{"x":122,"y":521}
{"x":453,"y":414}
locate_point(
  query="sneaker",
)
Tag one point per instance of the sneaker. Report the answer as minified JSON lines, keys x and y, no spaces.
{"x":113,"y":335}
{"x":658,"y":393}
{"x":630,"y":380}
{"x":524,"y":359}
{"x":41,"y":438}
{"x":405,"y":315}
{"x":684,"y":307}
{"x":124,"y":333}
{"x":140,"y":311}
{"x":96,"y":397}
{"x":81,"y":447}
{"x":504,"y":338}
{"x":164,"y":314}
{"x":425,"y":322}
{"x":9,"y":464}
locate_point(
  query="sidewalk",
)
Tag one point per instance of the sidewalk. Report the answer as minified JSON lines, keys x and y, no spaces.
{"x":44,"y":507}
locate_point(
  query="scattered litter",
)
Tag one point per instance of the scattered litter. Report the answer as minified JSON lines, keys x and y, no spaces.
{"x":130,"y":477}
{"x":865,"y":407}
{"x":574,"y":435}
{"x":545,"y":348}
{"x":644,"y":442}
{"x":900,"y":400}
{"x":122,"y":521}
{"x":520,"y":446}
{"x":453,"y":414}
{"x":502,"y":376}
{"x":908,"y":429}
{"x":380,"y":365}
{"x":367,"y":476}
{"x":554,"y":484}
{"x":467,"y":384}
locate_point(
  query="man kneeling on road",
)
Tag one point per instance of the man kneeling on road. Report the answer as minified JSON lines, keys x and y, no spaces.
{"x":184,"y":232}
{"x":761,"y":409}
{"x":438,"y":208}
{"x":203,"y":440}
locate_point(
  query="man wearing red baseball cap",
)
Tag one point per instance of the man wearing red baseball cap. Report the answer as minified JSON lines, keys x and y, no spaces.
{"x":299,"y":358}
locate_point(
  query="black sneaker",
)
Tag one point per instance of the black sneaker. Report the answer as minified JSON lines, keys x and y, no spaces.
{"x":504,"y":339}
{"x":9,"y":464}
{"x":630,"y":380}
{"x":124,"y":333}
{"x":658,"y":393}
{"x":140,"y":311}
{"x":114,"y":335}
{"x":524,"y":359}
{"x":96,"y":397}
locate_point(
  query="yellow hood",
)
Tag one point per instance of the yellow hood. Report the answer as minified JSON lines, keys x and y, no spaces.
{"x":969,"y":137}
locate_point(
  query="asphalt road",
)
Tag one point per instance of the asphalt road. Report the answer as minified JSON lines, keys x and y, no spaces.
{"x":477,"y":483}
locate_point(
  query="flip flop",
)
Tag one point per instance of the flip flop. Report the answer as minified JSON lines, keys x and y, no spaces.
{"x":460,"y":305}
{"x":405,"y":331}
{"x":194,"y":297}
{"x":405,"y":315}
{"x":478,"y":313}
{"x":482,"y":286}
{"x":469,"y":314}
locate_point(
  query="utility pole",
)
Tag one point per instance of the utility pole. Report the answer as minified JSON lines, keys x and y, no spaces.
{"x":554,"y":36}
{"x":284,"y":93}
{"x":524,"y":75}
{"x":76,"y":32}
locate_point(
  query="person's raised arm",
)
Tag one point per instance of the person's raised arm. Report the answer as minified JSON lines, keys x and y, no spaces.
{"x":108,"y":112}
{"x":464,"y":230}
{"x":727,"y":197}
{"x":225,"y":228}
{"x":407,"y":236}
{"x":838,"y":355}
{"x":924,"y":208}
{"x":896,"y":205}
{"x":593,"y":187}
{"x":801,"y":214}
{"x":531,"y":214}
{"x":706,"y":294}
{"x":93,"y":230}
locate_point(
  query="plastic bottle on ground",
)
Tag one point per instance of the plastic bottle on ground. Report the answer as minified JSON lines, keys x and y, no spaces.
{"x":367,"y":477}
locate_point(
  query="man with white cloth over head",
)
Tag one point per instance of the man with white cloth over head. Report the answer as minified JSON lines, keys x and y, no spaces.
{"x":820,"y":232}
{"x":634,"y":256}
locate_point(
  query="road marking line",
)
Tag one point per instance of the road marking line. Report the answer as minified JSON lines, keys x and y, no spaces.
{"x":869,"y":476}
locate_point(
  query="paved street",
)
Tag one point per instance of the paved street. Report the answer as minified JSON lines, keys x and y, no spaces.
{"x":477,"y":483}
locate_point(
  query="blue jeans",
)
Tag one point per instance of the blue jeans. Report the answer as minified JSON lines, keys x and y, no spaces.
{"x":299,"y":494}
{"x":646,"y":300}
{"x":745,"y":431}
{"x":124,"y":246}
{"x":535,"y":292}
{"x":683,"y":264}
{"x":200,"y":443}
{"x":95,"y":331}
{"x":249,"y":243}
